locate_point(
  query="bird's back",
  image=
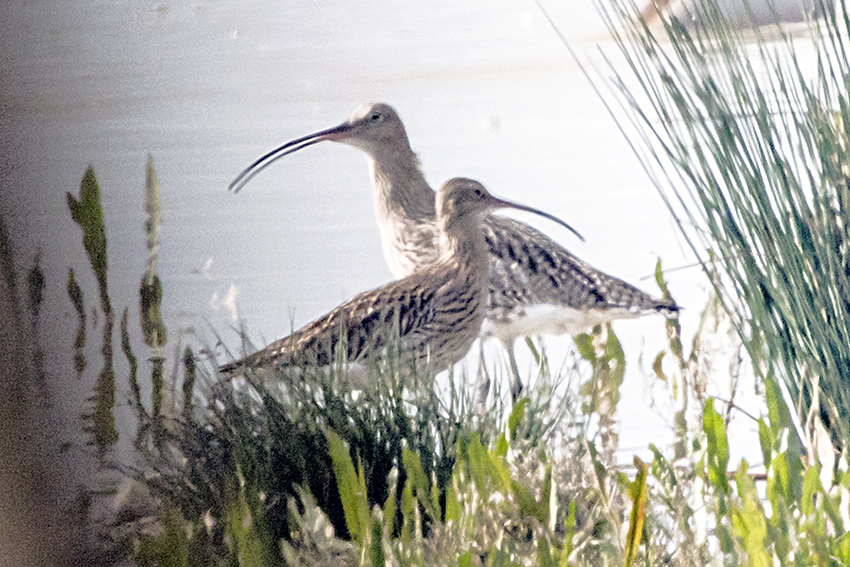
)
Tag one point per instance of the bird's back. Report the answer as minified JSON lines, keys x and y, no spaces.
{"x":533,"y":276}
{"x":432,"y":317}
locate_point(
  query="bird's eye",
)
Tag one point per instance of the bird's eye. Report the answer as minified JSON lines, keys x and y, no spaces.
{"x":479,"y":193}
{"x":375,"y":117}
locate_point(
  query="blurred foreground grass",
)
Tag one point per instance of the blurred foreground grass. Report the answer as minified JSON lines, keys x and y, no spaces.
{"x":744,"y":133}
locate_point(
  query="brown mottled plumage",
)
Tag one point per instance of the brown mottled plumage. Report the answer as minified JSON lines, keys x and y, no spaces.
{"x":436,"y":313}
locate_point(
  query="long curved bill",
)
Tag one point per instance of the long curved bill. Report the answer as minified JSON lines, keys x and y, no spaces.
{"x":259,"y":165}
{"x":505,"y":204}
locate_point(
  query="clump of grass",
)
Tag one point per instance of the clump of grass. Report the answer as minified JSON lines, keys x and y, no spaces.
{"x":743,"y":132}
{"x":284,"y":439}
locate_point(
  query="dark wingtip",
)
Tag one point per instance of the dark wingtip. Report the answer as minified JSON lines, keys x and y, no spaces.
{"x":669,"y":309}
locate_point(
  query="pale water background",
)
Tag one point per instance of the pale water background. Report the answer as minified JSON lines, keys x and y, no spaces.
{"x":485,"y":88}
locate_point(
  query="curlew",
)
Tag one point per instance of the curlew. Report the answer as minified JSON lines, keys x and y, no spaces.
{"x":435,"y":313}
{"x":535,"y":285}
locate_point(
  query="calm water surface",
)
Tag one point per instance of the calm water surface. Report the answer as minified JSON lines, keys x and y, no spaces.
{"x":486,"y":90}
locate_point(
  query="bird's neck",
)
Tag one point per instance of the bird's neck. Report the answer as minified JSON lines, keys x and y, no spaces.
{"x":400,"y":189}
{"x":461,"y":242}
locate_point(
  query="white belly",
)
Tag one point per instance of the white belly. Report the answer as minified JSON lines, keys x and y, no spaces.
{"x":547,"y":319}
